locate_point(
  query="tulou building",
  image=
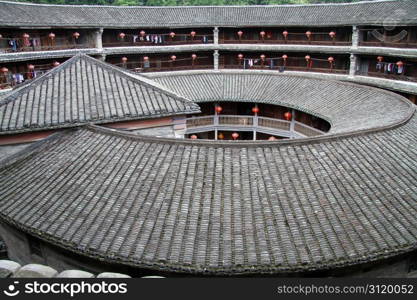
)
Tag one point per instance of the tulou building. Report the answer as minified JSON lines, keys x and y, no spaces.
{"x":219,"y":141}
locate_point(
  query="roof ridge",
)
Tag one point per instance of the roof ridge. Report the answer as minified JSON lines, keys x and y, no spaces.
{"x":205,"y":6}
{"x":147,"y":82}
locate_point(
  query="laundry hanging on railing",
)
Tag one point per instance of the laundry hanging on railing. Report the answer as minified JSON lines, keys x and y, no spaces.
{"x":390,"y":68}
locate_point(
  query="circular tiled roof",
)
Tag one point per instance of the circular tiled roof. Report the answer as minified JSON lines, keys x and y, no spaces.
{"x":229,"y":207}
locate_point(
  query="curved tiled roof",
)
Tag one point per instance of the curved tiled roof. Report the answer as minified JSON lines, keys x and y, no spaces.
{"x":348,"y":107}
{"x":375,"y":12}
{"x":218,"y":207}
{"x":84,"y":90}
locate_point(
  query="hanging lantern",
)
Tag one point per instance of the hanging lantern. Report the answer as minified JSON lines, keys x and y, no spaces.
{"x":193,"y":33}
{"x":218,"y":109}
{"x":272,"y":138}
{"x":124,"y":59}
{"x":1,"y":36}
{"x":255,"y":110}
{"x":331,"y":59}
{"x":307,"y":57}
{"x":332,"y":34}
{"x":31,"y":67}
{"x":380,"y":58}
{"x":400,"y":63}
{"x":262,"y":57}
{"x":235,"y":135}
{"x":4,"y":70}
{"x":240,"y":56}
{"x":240,"y":33}
{"x":308,"y":34}
{"x":193,"y":137}
{"x":25,"y":36}
{"x":285,"y":34}
{"x":51,"y":35}
{"x":145,"y":58}
{"x":172,"y":34}
{"x":194,"y":56}
{"x":284,"y":57}
{"x":262,"y":34}
{"x":76,"y":35}
{"x":287,"y":116}
{"x":220,"y":136}
{"x":56,"y":64}
{"x":173,"y":57}
{"x":142,"y":33}
{"x":122,"y":35}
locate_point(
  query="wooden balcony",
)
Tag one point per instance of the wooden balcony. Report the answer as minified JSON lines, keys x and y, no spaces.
{"x":285,"y":42}
{"x":278,"y":127}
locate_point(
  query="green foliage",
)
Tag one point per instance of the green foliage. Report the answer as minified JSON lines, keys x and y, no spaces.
{"x":184,"y":2}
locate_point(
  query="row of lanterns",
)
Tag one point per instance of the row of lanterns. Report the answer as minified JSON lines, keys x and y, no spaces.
{"x":142,"y":33}
{"x":75,"y":35}
{"x":398,"y":63}
{"x":285,"y":33}
{"x":30,"y":67}
{"x":124,"y":59}
{"x":287,"y":115}
{"x":285,"y":57}
{"x":235,"y":136}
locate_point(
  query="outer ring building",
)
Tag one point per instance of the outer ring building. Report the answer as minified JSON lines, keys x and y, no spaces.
{"x":342,"y":203}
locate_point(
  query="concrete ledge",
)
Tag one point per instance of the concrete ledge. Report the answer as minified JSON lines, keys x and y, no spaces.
{"x":112,"y":275}
{"x":35,"y":271}
{"x":12,"y":269}
{"x":75,"y":274}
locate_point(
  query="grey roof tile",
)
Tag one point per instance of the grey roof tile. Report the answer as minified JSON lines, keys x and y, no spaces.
{"x":84,"y":90}
{"x":370,"y":12}
{"x":221,"y":207}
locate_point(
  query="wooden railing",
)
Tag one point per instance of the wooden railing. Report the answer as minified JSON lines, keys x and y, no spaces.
{"x":56,"y":44}
{"x":162,"y":40}
{"x":288,"y":68}
{"x":221,"y":122}
{"x":284,"y":42}
{"x":389,"y":44}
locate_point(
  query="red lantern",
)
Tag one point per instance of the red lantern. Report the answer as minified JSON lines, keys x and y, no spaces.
{"x":56,"y":64}
{"x":287,"y":116}
{"x":235,"y":135}
{"x":194,"y":137}
{"x":173,"y":57}
{"x":218,"y":109}
{"x":285,"y":34}
{"x":122,"y":35}
{"x":220,"y":136}
{"x":51,"y":35}
{"x":308,"y":34}
{"x":284,"y":57}
{"x":262,"y":34}
{"x":240,"y":56}
{"x":4,"y":70}
{"x":400,"y":63}
{"x":31,"y":67}
{"x":255,"y":110}
{"x":142,"y":33}
{"x":332,"y":34}
{"x":172,"y":34}
{"x":330,"y":59}
{"x":25,"y":36}
{"x":76,"y":35}
{"x":307,"y":57}
{"x":380,"y":58}
{"x":194,"y":56}
{"x":240,"y":33}
{"x":145,"y":58}
{"x":193,"y":33}
{"x":1,"y":36}
{"x":262,"y":57}
{"x":272,"y":138}
{"x":124,"y":59}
